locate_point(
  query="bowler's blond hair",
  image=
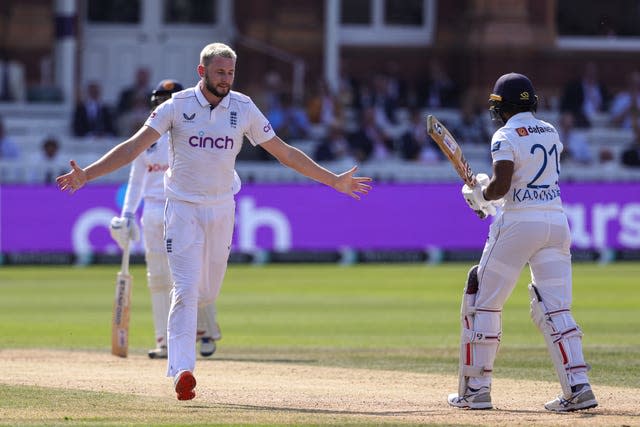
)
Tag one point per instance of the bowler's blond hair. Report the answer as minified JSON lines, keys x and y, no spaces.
{"x":216,"y":49}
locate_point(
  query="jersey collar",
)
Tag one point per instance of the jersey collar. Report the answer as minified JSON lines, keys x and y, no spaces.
{"x":224,"y":102}
{"x":520,"y":117}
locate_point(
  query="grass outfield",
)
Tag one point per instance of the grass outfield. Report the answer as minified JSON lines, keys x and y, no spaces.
{"x":377,"y":316}
{"x":391,"y":317}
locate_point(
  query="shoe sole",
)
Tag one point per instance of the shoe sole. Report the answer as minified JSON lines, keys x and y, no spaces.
{"x":185,"y":385}
{"x":209,"y":353}
{"x":156,"y":356}
{"x":584,"y":405}
{"x":473,"y":406}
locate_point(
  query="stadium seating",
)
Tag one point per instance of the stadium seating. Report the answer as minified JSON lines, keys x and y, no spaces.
{"x":30,"y":124}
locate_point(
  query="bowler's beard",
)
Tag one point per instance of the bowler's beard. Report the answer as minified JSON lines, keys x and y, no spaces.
{"x":211,"y":88}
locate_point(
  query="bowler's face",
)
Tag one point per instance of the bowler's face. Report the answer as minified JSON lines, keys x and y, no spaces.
{"x":218,"y":75}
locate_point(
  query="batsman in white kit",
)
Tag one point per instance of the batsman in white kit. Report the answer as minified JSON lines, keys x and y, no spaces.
{"x":531,"y":227}
{"x":146,"y":181}
{"x":206,"y":125}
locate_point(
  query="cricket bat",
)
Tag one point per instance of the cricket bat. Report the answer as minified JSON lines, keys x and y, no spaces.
{"x":121,"y":305}
{"x":451,"y":149}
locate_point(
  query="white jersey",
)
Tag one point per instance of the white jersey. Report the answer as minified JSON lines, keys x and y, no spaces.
{"x":204,"y":142}
{"x":146,"y":178}
{"x":534,"y":147}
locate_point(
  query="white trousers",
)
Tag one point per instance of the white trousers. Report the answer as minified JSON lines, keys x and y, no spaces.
{"x":543,"y":240}
{"x":158,"y":275}
{"x":198,"y":242}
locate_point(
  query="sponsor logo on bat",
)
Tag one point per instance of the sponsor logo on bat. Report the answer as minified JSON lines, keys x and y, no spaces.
{"x":438,"y":128}
{"x":450,"y":143}
{"x":122,"y":300}
{"x":122,"y":337}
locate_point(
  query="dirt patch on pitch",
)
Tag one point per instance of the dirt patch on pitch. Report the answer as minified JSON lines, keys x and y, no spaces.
{"x":288,"y":393}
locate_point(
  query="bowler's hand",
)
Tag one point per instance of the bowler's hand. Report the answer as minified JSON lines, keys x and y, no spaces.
{"x":352,"y":185}
{"x":73,"y":180}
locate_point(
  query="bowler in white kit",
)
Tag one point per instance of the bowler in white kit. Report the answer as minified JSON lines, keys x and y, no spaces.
{"x":146,"y":181}
{"x":206,"y":124}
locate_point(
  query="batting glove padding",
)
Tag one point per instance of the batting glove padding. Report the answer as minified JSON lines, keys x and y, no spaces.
{"x":123,"y":229}
{"x":475,"y":199}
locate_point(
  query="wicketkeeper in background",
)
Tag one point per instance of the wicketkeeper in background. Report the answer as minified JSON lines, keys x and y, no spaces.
{"x":146,"y":181}
{"x":531,"y":228}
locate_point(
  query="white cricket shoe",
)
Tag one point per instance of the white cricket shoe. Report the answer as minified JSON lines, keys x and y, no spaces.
{"x":582,"y":398}
{"x":207,"y":346}
{"x":158,"y":353}
{"x":472,"y":399}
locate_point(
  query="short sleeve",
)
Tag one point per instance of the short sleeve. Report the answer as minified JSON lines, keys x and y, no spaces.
{"x":259,"y":129}
{"x":501,"y":148}
{"x":160,"y":118}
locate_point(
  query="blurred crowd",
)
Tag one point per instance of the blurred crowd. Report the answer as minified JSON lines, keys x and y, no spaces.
{"x":369,"y":119}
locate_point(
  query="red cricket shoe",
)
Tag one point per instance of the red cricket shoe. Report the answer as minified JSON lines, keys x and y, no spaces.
{"x":185,"y":383}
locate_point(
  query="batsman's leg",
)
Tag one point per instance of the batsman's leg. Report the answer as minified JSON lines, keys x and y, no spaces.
{"x":479,"y":340}
{"x":158,"y":274}
{"x":159,"y":282}
{"x":551,"y":312}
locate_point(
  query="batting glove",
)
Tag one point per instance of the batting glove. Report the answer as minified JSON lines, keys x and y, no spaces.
{"x":475,"y":198}
{"x":123,"y":229}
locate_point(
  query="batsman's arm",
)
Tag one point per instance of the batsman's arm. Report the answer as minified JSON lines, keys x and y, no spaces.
{"x":501,"y":180}
{"x":122,"y":154}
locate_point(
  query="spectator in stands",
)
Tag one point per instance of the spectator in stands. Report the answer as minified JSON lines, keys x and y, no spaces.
{"x":133,"y":119}
{"x":12,"y":79}
{"x":140,"y":89}
{"x":396,"y":84}
{"x":297,"y":124}
{"x":370,"y":141}
{"x":49,"y":162}
{"x":472,"y":127}
{"x":289,"y":119}
{"x":607,"y":162}
{"x":323,"y":107}
{"x":439,"y":90}
{"x":348,"y":87}
{"x":625,"y":108}
{"x":92,"y":117}
{"x":585,"y":96}
{"x":631,"y":155}
{"x":415,"y":144}
{"x":575,"y":142}
{"x":8,"y":148}
{"x":383,"y":100}
{"x":334,"y":147}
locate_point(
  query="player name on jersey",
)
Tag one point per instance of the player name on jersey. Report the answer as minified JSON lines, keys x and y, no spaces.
{"x":524,"y":194}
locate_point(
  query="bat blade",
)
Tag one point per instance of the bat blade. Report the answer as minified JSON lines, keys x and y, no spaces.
{"x":120,"y":321}
{"x":448,"y":145}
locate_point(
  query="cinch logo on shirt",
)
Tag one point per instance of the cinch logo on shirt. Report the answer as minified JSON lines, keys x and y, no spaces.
{"x":522,"y":131}
{"x":222,"y":143}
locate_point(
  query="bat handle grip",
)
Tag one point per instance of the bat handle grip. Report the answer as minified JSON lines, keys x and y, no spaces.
{"x":124,"y":266}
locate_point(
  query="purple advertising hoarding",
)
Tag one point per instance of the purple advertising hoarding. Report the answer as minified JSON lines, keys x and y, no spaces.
{"x":315,"y":217}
